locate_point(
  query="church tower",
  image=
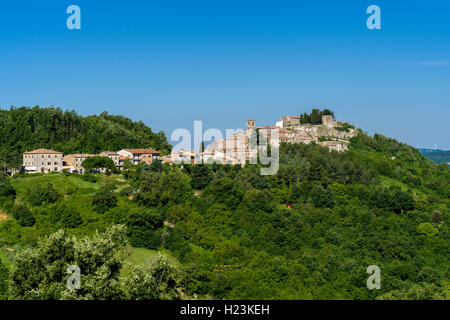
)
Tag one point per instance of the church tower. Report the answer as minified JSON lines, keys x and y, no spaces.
{"x":251,"y":124}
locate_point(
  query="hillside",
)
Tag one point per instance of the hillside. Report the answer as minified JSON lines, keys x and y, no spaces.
{"x":308,"y":232}
{"x":66,"y":131}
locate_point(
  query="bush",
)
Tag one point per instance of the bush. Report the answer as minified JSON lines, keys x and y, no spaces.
{"x":38,"y":195}
{"x":23,"y":215}
{"x":6,"y":189}
{"x":3,"y":278}
{"x":88,"y":177}
{"x":104,"y":200}
{"x":64,"y":216}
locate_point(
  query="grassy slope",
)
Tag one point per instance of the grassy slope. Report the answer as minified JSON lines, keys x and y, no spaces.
{"x":81,"y":200}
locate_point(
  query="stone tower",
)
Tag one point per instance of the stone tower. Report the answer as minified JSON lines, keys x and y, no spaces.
{"x":251,"y":124}
{"x":328,"y":121}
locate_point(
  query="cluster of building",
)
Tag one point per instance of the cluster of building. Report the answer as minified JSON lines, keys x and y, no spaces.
{"x":237,"y":149}
{"x":45,"y":160}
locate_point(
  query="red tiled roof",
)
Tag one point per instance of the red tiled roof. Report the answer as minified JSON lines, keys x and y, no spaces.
{"x":82,"y":155}
{"x":269,"y":127}
{"x":43,"y":151}
{"x":142,"y":151}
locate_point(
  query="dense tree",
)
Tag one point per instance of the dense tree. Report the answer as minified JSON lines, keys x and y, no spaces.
{"x":315,"y":117}
{"x":6,"y":189}
{"x":159,"y":281}
{"x":201,"y":176}
{"x":104,"y":199}
{"x":3,"y":280}
{"x":68,"y":132}
{"x":41,"y":272}
{"x":63,"y":216}
{"x":99,"y":163}
{"x":23,"y":215}
{"x":225,"y":191}
{"x":39,"y":195}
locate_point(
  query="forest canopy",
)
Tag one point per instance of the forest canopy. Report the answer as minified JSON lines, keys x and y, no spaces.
{"x":66,"y":131}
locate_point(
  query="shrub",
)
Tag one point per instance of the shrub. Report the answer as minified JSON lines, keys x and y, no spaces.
{"x":104,"y":200}
{"x":38,"y":195}
{"x":64,"y":216}
{"x":23,"y":215}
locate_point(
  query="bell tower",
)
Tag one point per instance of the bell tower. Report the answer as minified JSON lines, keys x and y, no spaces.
{"x":251,"y":124}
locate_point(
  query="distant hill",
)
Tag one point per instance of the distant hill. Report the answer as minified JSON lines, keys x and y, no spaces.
{"x":26,"y":128}
{"x":425,"y":150}
{"x":439,"y":156}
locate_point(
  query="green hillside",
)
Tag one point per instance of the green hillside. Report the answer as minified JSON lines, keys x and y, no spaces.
{"x":66,"y":131}
{"x":308,"y":232}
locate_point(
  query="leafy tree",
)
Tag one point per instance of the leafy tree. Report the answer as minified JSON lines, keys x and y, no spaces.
{"x":201,"y":176}
{"x":156,"y":166}
{"x":23,"y":215}
{"x":175,"y":187}
{"x":423,"y":291}
{"x":437,"y":216}
{"x":99,"y":163}
{"x":160,"y":281}
{"x":316,"y":117}
{"x":41,"y":272}
{"x":63,"y":216}
{"x":3,"y":280}
{"x":142,"y":228}
{"x":6,"y":189}
{"x":321,"y":198}
{"x":104,"y":199}
{"x":427,"y":229}
{"x":68,"y":132}
{"x":39,"y":195}
{"x":10,"y":160}
{"x":225,"y":191}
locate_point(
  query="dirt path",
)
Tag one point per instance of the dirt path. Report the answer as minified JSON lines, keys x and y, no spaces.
{"x":3,"y":216}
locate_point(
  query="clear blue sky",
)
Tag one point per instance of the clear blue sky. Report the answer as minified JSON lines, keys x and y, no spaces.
{"x":169,"y":63}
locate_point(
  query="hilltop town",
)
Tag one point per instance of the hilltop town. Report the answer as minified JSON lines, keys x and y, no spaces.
{"x":236,"y":149}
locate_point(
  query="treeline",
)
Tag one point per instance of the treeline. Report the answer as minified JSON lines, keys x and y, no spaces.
{"x":24,"y":129}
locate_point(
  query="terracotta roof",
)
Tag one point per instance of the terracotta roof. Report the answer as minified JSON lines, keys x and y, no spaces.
{"x":142,"y":151}
{"x":110,"y":153}
{"x":269,"y":127}
{"x":122,"y":158}
{"x":43,"y":151}
{"x":82,"y":155}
